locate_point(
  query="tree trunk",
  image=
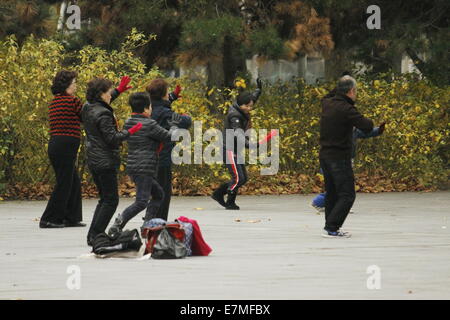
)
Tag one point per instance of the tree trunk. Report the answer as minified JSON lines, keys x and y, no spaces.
{"x":62,"y":15}
{"x":233,"y":61}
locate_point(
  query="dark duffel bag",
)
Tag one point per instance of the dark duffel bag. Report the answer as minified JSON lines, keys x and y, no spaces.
{"x":127,"y":240}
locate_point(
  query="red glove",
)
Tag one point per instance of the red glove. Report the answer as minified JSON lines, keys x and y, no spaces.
{"x":123,"y":86}
{"x":177,"y":91}
{"x":272,"y":134}
{"x":135,"y":128}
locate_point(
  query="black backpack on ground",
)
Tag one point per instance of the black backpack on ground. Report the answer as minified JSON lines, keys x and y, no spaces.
{"x":128,"y":240}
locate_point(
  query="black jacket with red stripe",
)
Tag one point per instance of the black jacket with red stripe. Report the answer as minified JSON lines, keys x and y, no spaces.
{"x":236,"y":123}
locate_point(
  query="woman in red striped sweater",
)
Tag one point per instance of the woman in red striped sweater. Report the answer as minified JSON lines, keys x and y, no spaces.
{"x":64,"y":207}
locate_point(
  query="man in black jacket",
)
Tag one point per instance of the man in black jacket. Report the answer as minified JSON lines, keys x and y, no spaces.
{"x":103,"y":140}
{"x":237,"y":121}
{"x":142,"y":161}
{"x":339,"y":117}
{"x":162,"y":113}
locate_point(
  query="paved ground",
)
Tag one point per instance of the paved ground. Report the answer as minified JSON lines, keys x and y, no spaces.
{"x":406,"y":235}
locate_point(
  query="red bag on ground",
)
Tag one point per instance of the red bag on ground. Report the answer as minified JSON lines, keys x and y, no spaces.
{"x":151,"y":234}
{"x":199,"y":246}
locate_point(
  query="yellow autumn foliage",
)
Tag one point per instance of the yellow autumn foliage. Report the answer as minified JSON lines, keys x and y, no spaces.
{"x":414,"y":148}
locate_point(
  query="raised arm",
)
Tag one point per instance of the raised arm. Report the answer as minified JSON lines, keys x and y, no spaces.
{"x":111,"y":134}
{"x":258,"y":90}
{"x":376,"y":131}
{"x":123,"y":86}
{"x":359,"y":121}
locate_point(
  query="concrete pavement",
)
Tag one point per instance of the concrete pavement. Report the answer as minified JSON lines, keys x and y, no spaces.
{"x":274,"y":252}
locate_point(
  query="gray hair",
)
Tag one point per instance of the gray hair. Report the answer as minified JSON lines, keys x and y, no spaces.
{"x":345,"y":84}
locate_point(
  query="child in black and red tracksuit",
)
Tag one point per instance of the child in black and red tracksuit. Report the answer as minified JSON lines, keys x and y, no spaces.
{"x":238,"y":120}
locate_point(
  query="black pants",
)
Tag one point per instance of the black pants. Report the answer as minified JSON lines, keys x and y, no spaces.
{"x":65,"y":201}
{"x":146,"y":186}
{"x":164,"y":179}
{"x":340,"y":189}
{"x":106,"y":182}
{"x":238,"y":172}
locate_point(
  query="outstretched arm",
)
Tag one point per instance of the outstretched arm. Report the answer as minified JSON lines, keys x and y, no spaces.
{"x":185,"y":120}
{"x":175,"y":94}
{"x":376,"y":131}
{"x":359,"y":121}
{"x":123,"y":86}
{"x":110,"y":132}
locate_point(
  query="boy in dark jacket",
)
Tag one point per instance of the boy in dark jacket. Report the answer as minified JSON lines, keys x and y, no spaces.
{"x":162,"y":113}
{"x":238,"y":120}
{"x":142,"y":161}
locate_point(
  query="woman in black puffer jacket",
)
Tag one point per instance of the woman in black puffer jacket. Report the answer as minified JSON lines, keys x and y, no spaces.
{"x":103,"y":140}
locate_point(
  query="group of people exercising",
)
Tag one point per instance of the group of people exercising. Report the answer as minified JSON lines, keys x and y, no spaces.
{"x":148,"y":132}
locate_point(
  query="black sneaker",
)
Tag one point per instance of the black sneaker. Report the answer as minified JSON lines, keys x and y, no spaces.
{"x":232,"y":206}
{"x":50,"y":225}
{"x":219,"y":199}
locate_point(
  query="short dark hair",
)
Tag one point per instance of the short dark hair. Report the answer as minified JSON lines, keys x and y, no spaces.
{"x":244,"y":98}
{"x":96,"y":87}
{"x":157,"y":89}
{"x":62,"y":81}
{"x":139,"y":101}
